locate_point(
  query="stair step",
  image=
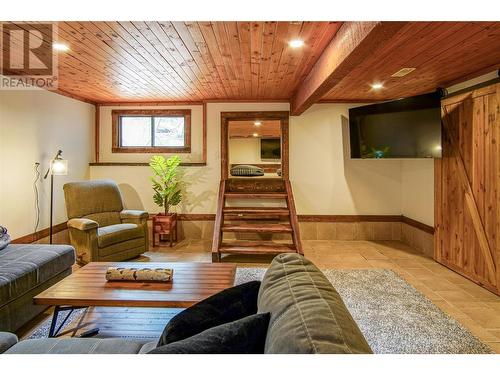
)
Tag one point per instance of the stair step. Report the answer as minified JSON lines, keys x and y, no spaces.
{"x":257,"y":211}
{"x":256,"y":195}
{"x":257,"y":228}
{"x":242,"y":247}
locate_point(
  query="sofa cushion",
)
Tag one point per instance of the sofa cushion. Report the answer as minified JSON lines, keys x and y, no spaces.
{"x":76,"y":346}
{"x":23,"y":267}
{"x":226,"y":306}
{"x":7,"y":340}
{"x":246,"y":170}
{"x":307,"y":313}
{"x":117,"y":233}
{"x":243,"y":336}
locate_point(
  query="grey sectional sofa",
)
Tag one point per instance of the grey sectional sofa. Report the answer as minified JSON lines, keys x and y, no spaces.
{"x":25,"y":271}
{"x":307,"y":316}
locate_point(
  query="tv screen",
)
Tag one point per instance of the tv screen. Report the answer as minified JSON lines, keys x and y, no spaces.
{"x":270,"y":148}
{"x":405,"y":128}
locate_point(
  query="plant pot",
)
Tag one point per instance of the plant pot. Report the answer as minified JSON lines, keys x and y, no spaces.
{"x":165,"y":225}
{"x":166,"y":218}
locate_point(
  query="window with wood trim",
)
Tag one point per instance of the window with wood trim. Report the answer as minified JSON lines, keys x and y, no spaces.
{"x":151,"y":131}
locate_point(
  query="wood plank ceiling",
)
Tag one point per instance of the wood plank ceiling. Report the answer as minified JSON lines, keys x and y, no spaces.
{"x":248,"y":129}
{"x":201,"y":61}
{"x":442,"y":53}
{"x":187,"y":61}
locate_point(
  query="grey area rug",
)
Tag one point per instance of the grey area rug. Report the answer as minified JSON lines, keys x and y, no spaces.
{"x":394,"y":317}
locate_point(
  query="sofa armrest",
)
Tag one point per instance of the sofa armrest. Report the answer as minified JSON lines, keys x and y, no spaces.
{"x":83,"y":224}
{"x":133,"y":214}
{"x":7,"y":340}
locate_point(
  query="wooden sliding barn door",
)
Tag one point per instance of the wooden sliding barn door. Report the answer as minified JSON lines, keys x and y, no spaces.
{"x":467,"y":236}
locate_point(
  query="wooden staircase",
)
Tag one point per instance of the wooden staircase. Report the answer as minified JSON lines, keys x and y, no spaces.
{"x":262,"y":221}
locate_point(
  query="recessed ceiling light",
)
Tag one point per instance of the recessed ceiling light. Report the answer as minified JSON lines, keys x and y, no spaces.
{"x":296,"y":43}
{"x":60,"y":47}
{"x":255,"y":134}
{"x":377,"y":86}
{"x":257,"y":123}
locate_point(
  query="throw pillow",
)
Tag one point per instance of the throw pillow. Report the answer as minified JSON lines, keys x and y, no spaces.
{"x":246,"y":170}
{"x":4,"y":237}
{"x":243,"y":336}
{"x":226,"y":306}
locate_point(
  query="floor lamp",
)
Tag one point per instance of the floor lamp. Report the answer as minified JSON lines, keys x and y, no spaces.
{"x":58,"y":167}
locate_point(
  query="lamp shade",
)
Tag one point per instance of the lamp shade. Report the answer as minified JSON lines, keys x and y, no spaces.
{"x":59,"y":167}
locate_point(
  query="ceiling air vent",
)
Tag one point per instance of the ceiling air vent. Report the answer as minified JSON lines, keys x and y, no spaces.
{"x":403,"y":72}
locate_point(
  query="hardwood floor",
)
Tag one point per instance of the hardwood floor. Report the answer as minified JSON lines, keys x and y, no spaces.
{"x":474,"y":307}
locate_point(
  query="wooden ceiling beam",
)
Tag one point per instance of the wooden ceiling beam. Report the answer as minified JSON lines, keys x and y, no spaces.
{"x":353,"y":42}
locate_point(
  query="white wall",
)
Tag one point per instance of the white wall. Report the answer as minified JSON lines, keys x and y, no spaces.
{"x":417,"y":190}
{"x":323,"y":182}
{"x":244,"y":151}
{"x":33,"y":126}
{"x":202,"y":182}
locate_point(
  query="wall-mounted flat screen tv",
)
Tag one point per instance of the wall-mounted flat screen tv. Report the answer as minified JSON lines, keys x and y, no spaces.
{"x":270,"y":148}
{"x":405,"y":128}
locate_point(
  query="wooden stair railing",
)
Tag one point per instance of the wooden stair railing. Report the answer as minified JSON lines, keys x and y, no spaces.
{"x":270,"y":220}
{"x":294,"y":222}
{"x":219,"y":221}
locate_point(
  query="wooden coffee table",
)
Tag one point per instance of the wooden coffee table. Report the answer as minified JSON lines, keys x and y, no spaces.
{"x":191,"y":283}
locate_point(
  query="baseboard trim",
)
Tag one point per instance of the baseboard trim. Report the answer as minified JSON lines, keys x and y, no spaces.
{"x":33,"y":237}
{"x":417,"y":224}
{"x":196,"y":217}
{"x":348,"y":218}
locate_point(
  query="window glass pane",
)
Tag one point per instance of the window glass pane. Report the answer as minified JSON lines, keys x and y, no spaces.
{"x":169,"y":131}
{"x":135,"y":131}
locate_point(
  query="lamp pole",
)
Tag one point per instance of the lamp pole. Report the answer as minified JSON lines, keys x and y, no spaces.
{"x":51,"y":205}
{"x":61,"y":169}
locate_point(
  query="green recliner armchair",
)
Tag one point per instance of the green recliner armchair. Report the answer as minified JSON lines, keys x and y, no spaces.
{"x":99,"y":228}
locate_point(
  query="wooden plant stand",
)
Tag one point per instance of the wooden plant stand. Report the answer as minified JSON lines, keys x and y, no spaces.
{"x":165,"y":225}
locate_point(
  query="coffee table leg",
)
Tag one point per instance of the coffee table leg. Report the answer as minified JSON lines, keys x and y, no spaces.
{"x":53,"y":331}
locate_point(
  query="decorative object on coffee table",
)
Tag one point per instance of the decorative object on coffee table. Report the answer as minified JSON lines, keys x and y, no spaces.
{"x":139,"y":274}
{"x":167,"y":188}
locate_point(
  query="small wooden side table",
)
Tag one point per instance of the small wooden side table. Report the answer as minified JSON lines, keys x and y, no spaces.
{"x":164,"y":225}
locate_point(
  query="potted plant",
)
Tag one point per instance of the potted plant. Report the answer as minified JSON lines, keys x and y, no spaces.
{"x":167,"y":193}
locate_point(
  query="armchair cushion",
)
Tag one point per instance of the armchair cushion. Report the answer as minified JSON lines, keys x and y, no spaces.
{"x":7,"y":340}
{"x":82,"y":224}
{"x":133,"y":214}
{"x":117,"y":233}
{"x":91,"y":197}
